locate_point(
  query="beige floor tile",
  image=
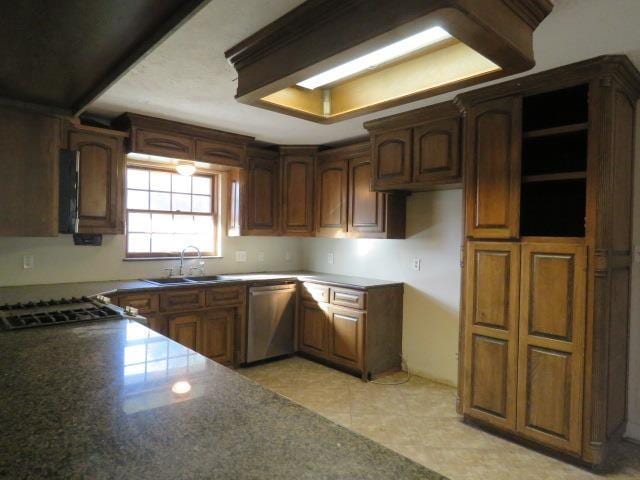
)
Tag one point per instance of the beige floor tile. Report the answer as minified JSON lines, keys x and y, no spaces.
{"x":418,"y":419}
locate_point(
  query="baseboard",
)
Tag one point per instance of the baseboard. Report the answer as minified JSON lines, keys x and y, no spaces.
{"x":420,"y":373}
{"x":633,"y":431}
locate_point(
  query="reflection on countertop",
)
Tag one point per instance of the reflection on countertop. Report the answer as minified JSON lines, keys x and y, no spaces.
{"x":112,"y":399}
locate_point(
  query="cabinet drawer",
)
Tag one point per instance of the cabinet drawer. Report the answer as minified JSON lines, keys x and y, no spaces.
{"x":313,"y":291}
{"x":164,"y":144}
{"x":144,"y":302}
{"x":180,"y":300}
{"x":225,"y":296}
{"x":348,"y":298}
{"x":220,"y":153}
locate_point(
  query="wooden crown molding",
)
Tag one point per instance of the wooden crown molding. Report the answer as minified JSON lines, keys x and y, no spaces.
{"x":346,"y":151}
{"x":319,"y":33}
{"x":430,"y":113}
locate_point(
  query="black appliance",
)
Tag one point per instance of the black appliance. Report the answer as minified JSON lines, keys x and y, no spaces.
{"x":56,"y":312}
{"x":69,"y":161}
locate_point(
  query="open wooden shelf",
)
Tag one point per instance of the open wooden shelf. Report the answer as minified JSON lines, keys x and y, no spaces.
{"x":554,"y":177}
{"x":546,"y":132}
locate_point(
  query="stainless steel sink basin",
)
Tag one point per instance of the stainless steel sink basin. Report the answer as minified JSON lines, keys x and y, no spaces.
{"x":205,"y":278}
{"x":168,"y":281}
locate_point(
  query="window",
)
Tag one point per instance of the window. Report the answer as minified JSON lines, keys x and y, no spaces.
{"x":167,"y":211}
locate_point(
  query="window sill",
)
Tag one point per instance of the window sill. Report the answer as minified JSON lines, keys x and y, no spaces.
{"x":190,"y":257}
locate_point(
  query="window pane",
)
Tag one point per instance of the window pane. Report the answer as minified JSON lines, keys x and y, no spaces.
{"x":160,"y":201}
{"x":139,"y":242}
{"x":137,"y":178}
{"x":203,"y":224}
{"x":162,"y":223}
{"x":160,"y":181}
{"x":201,"y":204}
{"x":162,"y":242}
{"x":184,"y":224}
{"x":139,"y":222}
{"x":181,"y":202}
{"x":180,"y":183}
{"x":181,"y":240}
{"x":137,"y":200}
{"x":202,"y":185}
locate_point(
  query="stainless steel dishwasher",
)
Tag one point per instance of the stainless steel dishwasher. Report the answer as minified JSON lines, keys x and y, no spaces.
{"x":271,"y":321}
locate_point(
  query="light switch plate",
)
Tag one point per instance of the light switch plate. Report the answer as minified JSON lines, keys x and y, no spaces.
{"x":260,"y":257}
{"x":417,"y":264}
{"x":27,"y":262}
{"x":241,"y":256}
{"x":330,"y":258}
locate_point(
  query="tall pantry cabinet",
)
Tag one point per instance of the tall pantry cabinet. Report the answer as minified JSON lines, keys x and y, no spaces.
{"x":547,"y":256}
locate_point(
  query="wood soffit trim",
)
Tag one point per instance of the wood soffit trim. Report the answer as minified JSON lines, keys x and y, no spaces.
{"x":438,"y":111}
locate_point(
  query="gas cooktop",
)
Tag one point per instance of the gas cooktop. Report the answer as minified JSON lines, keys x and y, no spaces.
{"x":55,"y":312}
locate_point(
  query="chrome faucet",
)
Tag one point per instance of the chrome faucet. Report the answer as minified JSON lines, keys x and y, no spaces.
{"x":199,"y":267}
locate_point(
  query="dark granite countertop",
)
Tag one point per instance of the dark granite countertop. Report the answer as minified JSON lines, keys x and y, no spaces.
{"x":26,"y":293}
{"x":96,"y":401}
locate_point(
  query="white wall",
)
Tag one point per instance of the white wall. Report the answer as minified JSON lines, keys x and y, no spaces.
{"x":432,"y":295}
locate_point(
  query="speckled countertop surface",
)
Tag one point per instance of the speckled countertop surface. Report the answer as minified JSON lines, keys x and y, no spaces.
{"x":95,"y":401}
{"x":27,"y":293}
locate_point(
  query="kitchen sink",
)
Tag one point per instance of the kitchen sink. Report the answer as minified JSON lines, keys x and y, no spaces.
{"x":205,"y":278}
{"x":168,"y":281}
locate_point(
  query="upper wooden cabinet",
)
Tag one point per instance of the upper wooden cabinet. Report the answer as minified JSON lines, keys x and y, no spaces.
{"x":29,"y":160}
{"x":260,"y":193}
{"x":298,"y":190}
{"x":165,"y":138}
{"x":101,"y":186}
{"x":493,"y":169}
{"x":331,"y":195}
{"x":417,"y":150}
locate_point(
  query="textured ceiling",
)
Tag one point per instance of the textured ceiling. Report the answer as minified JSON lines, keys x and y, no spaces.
{"x":187,"y":77}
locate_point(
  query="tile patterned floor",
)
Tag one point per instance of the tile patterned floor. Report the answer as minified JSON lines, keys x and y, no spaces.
{"x":418,"y":420}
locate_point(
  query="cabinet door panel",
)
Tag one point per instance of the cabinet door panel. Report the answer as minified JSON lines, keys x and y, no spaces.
{"x":551,"y":357}
{"x":262,"y":196}
{"x":158,"y":324}
{"x":366,"y":207}
{"x":491,"y":332}
{"x":346,"y":337}
{"x":164,"y":144}
{"x":331,"y":197}
{"x":217,"y":334}
{"x":436,"y":147}
{"x":185,"y":329}
{"x":392,"y":158}
{"x":181,"y":300}
{"x":313,"y":328}
{"x":297,"y":193}
{"x":101,"y":178}
{"x":493,"y":173}
{"x":220,"y":153}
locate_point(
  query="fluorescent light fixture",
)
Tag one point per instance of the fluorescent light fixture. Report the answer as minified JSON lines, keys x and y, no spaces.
{"x":377,"y":57}
{"x":186,"y":169}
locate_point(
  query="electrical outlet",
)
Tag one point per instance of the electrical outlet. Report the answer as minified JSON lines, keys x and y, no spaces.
{"x":287,"y":256}
{"x":27,"y":262}
{"x":330,"y":258}
{"x":260,"y":257}
{"x":241,"y":256}
{"x":417,"y":263}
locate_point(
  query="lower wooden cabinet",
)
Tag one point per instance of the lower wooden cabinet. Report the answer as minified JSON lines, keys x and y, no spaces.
{"x":216,"y":334}
{"x":367,"y":342}
{"x":184,"y":328}
{"x":524,"y":339}
{"x":159,"y":324}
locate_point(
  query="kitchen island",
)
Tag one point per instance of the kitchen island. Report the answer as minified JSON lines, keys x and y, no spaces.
{"x":113,"y":399}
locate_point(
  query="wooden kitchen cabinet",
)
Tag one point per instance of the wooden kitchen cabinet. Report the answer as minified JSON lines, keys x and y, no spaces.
{"x":313,"y":327}
{"x":29,"y":161}
{"x":220,"y":153}
{"x":492,"y":289}
{"x":216,"y":334}
{"x":549,"y":166}
{"x":346,"y":341}
{"x":366,"y":339}
{"x":164,"y":144}
{"x":392,"y":158}
{"x":331,"y":195}
{"x":101,"y":185}
{"x":417,"y":150}
{"x":260,"y":200}
{"x":492,"y":190}
{"x":185,"y":329}
{"x":297,"y":190}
